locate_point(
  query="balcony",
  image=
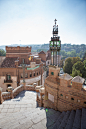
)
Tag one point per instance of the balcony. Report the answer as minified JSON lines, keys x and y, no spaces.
{"x":8,"y":81}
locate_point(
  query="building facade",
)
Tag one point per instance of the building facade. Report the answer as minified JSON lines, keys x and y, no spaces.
{"x":11,"y":70}
{"x":64,"y":92}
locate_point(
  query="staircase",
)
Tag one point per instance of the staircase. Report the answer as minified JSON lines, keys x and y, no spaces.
{"x":70,"y":120}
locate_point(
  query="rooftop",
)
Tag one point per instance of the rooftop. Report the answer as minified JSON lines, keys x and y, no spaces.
{"x":9,"y":62}
{"x":66,"y":76}
{"x":78,"y":79}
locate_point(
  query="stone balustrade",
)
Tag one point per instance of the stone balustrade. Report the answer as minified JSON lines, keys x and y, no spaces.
{"x":40,"y":95}
{"x":13,"y":93}
{"x":6,"y":95}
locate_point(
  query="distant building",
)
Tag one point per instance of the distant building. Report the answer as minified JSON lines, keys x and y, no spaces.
{"x":11,"y":71}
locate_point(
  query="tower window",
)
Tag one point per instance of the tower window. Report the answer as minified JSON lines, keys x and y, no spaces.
{"x":52,"y":73}
{"x":72,"y":98}
{"x":61,"y":94}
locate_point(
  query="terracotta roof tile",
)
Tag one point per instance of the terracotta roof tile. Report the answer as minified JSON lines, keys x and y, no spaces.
{"x":66,"y":76}
{"x":78,"y":79}
{"x":9,"y":62}
{"x":42,"y":52}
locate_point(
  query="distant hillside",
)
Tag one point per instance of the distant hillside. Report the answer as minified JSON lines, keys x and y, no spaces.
{"x":67,"y":50}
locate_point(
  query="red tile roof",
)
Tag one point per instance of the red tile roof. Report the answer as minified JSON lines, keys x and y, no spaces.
{"x":9,"y":62}
{"x":42,"y":52}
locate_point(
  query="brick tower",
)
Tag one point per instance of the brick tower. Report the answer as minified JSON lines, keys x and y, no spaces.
{"x":52,"y":81}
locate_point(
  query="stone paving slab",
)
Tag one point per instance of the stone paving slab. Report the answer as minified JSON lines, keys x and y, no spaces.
{"x":22,"y":113}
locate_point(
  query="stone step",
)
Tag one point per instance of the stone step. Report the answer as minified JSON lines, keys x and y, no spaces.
{"x":77,"y":120}
{"x":58,"y":122}
{"x":54,"y":117}
{"x":64,"y":121}
{"x":83,"y":119}
{"x":70,"y":120}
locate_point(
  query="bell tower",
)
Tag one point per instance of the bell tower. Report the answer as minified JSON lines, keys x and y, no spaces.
{"x":52,"y":82}
{"x":55,"y":45}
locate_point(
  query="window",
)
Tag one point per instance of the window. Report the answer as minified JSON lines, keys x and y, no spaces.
{"x":30,"y":75}
{"x":72,"y":98}
{"x":37,"y":73}
{"x":84,"y":102}
{"x":8,"y":77}
{"x":52,"y":73}
{"x":61,"y":94}
{"x":48,"y":62}
{"x":8,"y":85}
{"x":34,"y":74}
{"x":58,"y":74}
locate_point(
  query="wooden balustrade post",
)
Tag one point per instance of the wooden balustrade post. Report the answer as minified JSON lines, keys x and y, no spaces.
{"x":1,"y":100}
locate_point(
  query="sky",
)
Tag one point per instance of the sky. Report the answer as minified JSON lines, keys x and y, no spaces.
{"x":31,"y":21}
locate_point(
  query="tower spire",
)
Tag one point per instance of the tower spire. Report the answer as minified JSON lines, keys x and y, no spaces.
{"x":55,"y":21}
{"x":55,"y":45}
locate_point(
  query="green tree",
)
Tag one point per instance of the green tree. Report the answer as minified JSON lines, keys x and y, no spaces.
{"x":76,"y":73}
{"x":2,"y":52}
{"x":68,"y":65}
{"x":77,"y":69}
{"x":84,"y":69}
{"x":84,"y":57}
{"x":69,"y":62}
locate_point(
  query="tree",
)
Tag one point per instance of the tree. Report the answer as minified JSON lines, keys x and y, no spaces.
{"x":77,"y":69}
{"x":76,"y":73}
{"x":70,"y":61}
{"x":68,"y":65}
{"x":84,"y":69}
{"x":2,"y":52}
{"x":84,"y":57}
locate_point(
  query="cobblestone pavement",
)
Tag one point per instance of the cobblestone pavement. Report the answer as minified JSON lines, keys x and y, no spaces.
{"x":22,"y":113}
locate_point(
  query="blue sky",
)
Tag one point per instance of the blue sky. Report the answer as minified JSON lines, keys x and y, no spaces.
{"x":31,"y":21}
